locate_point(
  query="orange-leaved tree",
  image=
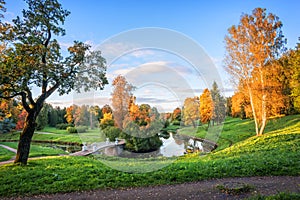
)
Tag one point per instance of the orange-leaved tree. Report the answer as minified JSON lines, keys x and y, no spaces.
{"x":206,"y":107}
{"x":252,"y":48}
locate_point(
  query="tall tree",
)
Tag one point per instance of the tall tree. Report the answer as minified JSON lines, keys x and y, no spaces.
{"x":42,"y":118}
{"x":251,"y":46}
{"x":191,"y":111}
{"x":219,"y":104}
{"x":121,"y":95}
{"x":206,"y":107}
{"x":294,"y":64}
{"x":33,"y":59}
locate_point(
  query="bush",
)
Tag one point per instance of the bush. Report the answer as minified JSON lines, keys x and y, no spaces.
{"x":112,"y":132}
{"x":142,"y":139}
{"x":176,"y":123}
{"x":72,"y":130}
{"x":63,"y":126}
{"x":81,"y":129}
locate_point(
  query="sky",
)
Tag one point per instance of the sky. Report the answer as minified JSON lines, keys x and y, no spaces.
{"x":169,"y":49}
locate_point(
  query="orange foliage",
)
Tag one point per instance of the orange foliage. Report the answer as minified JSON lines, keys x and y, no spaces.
{"x":21,"y":120}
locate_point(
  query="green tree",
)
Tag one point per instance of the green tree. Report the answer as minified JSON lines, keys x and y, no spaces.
{"x":33,"y":58}
{"x":42,"y":118}
{"x":219,"y":104}
{"x":294,"y":63}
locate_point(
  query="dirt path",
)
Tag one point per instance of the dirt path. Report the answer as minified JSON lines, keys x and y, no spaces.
{"x":196,"y":190}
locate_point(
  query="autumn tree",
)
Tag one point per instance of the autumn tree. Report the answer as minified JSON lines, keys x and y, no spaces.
{"x":191,"y":111}
{"x":176,"y":115}
{"x":81,"y":115}
{"x":252,"y":46}
{"x":141,"y":127}
{"x":122,"y":92}
{"x":106,"y":109}
{"x":8,"y":115}
{"x":133,"y":110}
{"x":69,"y":116}
{"x":21,"y":120}
{"x":33,"y":59}
{"x":107,"y":120}
{"x":107,"y":117}
{"x":206,"y":107}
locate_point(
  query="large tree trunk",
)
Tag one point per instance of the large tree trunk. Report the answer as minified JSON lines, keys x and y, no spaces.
{"x":25,"y":139}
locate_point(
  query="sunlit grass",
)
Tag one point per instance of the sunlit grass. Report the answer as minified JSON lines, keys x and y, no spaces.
{"x":271,"y":154}
{"x":277,"y":152}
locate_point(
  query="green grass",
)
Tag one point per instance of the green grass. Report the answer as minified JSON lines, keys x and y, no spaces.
{"x":37,"y":150}
{"x":60,"y":135}
{"x":275,"y":153}
{"x":279,"y":196}
{"x":5,"y":154}
{"x":235,"y":130}
{"x":53,"y":130}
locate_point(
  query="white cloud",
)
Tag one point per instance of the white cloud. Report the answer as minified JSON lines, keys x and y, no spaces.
{"x":140,"y":53}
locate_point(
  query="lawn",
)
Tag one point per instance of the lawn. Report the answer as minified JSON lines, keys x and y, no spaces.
{"x":5,"y":154}
{"x":37,"y":150}
{"x":90,"y":136}
{"x":275,"y":153}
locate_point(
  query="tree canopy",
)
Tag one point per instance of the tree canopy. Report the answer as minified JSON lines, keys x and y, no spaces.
{"x":251,"y":51}
{"x":31,"y":58}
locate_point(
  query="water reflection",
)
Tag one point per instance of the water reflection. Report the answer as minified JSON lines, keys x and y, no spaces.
{"x":174,"y":145}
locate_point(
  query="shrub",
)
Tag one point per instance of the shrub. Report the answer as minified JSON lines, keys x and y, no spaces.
{"x":112,"y":132}
{"x":63,"y":126}
{"x":142,"y":139}
{"x":176,"y":123}
{"x":72,"y":130}
{"x":81,"y":129}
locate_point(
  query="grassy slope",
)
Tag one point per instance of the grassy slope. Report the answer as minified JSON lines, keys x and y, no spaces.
{"x":235,"y":129}
{"x":275,"y":153}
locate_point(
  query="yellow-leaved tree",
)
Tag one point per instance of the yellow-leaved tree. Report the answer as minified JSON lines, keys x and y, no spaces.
{"x":252,"y":48}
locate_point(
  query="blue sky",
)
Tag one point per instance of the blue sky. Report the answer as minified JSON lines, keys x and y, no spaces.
{"x":205,"y":22}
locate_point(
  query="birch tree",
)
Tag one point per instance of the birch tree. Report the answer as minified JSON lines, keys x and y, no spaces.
{"x":251,"y":47}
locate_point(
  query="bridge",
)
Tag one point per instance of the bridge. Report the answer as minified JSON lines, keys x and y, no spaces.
{"x":96,"y":146}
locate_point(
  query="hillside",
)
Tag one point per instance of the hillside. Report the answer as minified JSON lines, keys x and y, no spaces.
{"x":273,"y":154}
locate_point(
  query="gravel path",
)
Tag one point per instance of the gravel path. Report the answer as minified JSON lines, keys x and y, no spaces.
{"x":196,"y":190}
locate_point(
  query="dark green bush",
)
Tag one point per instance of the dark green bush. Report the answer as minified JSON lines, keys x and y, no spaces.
{"x":141,"y":139}
{"x":176,"y":123}
{"x":112,"y":132}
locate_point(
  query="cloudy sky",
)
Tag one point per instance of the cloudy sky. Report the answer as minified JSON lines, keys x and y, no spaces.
{"x":168,"y":49}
